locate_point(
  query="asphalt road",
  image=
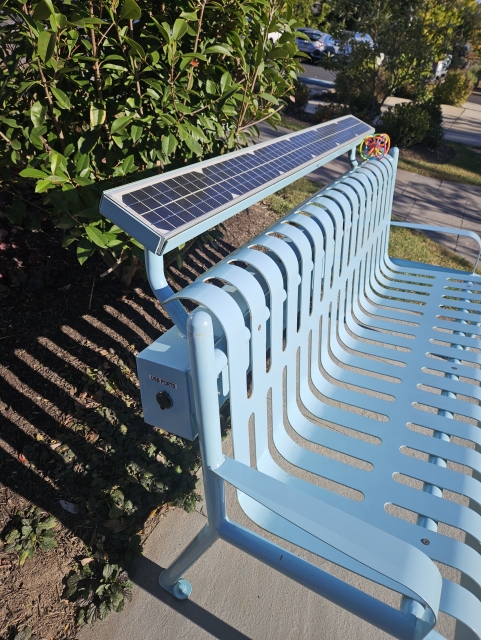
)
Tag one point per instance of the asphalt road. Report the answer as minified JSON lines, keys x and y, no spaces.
{"x":315,"y":71}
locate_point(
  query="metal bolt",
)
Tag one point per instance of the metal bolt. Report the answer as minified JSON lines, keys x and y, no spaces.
{"x":425,"y":541}
{"x":455,"y":368}
{"x":259,"y":328}
{"x":182,"y":586}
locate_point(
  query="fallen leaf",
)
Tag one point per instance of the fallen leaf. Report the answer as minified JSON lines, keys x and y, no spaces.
{"x":66,"y":288}
{"x":103,"y":352}
{"x":68,"y":506}
{"x":85,"y":561}
{"x":55,"y":445}
{"x":83,"y":394}
{"x":39,"y":437}
{"x":22,"y":458}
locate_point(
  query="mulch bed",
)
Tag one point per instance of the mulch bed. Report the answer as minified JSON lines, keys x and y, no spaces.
{"x":68,"y":340}
{"x":443,"y":154}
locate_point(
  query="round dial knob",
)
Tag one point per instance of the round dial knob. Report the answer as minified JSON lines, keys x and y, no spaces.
{"x":164,"y":400}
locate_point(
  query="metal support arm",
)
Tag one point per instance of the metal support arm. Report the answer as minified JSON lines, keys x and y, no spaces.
{"x":154,"y":265}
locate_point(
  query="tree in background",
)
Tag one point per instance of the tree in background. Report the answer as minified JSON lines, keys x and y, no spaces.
{"x":93,"y":92}
{"x":407,"y":39}
{"x":312,"y":14}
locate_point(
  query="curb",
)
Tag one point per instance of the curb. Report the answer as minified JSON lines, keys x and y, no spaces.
{"x":320,"y":83}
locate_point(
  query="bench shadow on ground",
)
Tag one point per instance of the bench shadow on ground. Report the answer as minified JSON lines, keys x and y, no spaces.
{"x":146,"y":576}
{"x":43,"y":383}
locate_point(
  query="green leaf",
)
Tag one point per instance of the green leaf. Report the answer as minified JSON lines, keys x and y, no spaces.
{"x":179,"y":29}
{"x":96,"y":236}
{"x":189,"y":15}
{"x":43,"y":185}
{"x":225,"y":81}
{"x":12,"y":536}
{"x":58,"y":21}
{"x":42,"y":11}
{"x":57,"y":161}
{"x":98,"y":114}
{"x":104,"y":610}
{"x":46,"y":543}
{"x":84,"y":250}
{"x":135,"y":46}
{"x":168,"y":144}
{"x":277,"y":53}
{"x":217,"y":48}
{"x":22,"y":556}
{"x":120,"y":123}
{"x":108,"y":570}
{"x":211,"y":87}
{"x":29,"y":172}
{"x":48,"y":523}
{"x":62,"y":98}
{"x":193,"y":145}
{"x":128,"y":164}
{"x":130,"y":10}
{"x":268,"y":97}
{"x":135,"y":133}
{"x":46,"y":45}
{"x":37,"y":114}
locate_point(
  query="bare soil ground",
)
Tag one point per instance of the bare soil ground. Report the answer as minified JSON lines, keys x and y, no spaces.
{"x":58,"y":321}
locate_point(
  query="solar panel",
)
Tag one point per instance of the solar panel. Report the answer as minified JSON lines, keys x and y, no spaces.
{"x":170,"y":203}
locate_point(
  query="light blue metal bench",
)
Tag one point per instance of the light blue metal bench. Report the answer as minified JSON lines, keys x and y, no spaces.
{"x":353,"y":387}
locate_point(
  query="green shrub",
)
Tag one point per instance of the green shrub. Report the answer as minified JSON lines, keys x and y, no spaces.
{"x":455,"y":89}
{"x":406,"y":124}
{"x":435,"y":133}
{"x":412,"y":123}
{"x":325,"y":112}
{"x":351,"y":91}
{"x":299,"y":99}
{"x":97,"y":588}
{"x":28,"y":532}
{"x":93,"y":92}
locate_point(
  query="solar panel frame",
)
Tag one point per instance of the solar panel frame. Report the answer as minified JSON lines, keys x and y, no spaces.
{"x":217,"y":188}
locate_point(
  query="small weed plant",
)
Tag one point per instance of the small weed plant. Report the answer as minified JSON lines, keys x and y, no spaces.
{"x":30,"y":531}
{"x":97,"y":588}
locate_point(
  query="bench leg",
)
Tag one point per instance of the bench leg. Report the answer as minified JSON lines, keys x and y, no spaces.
{"x":171,"y":579}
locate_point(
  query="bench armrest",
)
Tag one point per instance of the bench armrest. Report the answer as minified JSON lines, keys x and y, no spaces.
{"x":372,"y":547}
{"x":449,"y":230}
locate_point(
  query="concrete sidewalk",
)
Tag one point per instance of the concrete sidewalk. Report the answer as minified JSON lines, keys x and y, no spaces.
{"x":461,"y":124}
{"x":421,"y":200}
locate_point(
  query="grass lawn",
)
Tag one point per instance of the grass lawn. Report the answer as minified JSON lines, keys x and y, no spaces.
{"x":289,"y":122}
{"x":464,"y":167}
{"x":405,"y":244}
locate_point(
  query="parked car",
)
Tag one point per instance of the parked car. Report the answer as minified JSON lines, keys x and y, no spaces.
{"x":314,"y":46}
{"x":441,"y":67}
{"x":351,"y":39}
{"x":331,"y":45}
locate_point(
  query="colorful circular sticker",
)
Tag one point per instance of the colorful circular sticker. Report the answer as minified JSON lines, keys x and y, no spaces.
{"x":375,"y":147}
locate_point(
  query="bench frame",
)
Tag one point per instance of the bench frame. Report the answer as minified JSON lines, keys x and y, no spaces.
{"x":376,"y":553}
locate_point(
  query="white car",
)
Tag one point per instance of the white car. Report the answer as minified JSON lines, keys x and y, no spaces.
{"x":314,"y":45}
